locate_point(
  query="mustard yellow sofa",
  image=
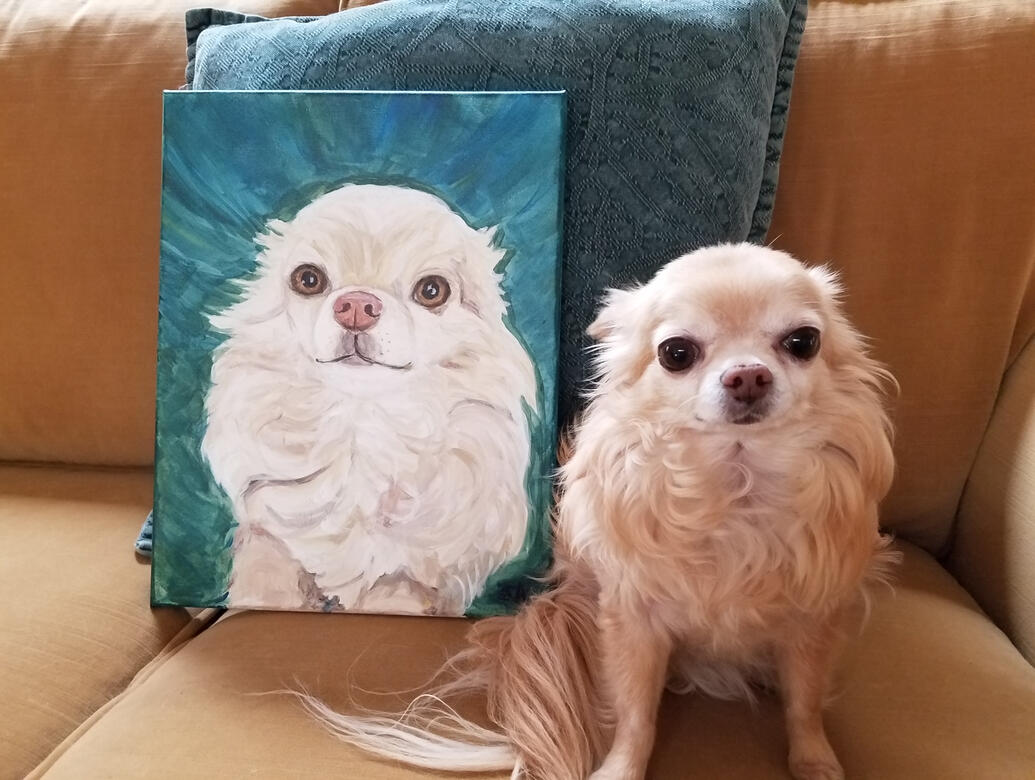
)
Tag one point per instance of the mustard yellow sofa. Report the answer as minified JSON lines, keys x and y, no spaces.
{"x":909,"y":165}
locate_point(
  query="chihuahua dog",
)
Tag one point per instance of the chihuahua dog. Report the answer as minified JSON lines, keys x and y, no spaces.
{"x":716,"y":531}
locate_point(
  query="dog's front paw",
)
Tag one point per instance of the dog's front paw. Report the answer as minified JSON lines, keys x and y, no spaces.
{"x":816,"y":769}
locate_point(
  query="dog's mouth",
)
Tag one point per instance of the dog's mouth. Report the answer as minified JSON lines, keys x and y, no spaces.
{"x":353,"y":354}
{"x":749,"y":415}
{"x":357,"y":358}
{"x":749,"y":419}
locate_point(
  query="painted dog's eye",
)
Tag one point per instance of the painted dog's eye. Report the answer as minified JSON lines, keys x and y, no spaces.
{"x":677,"y":354}
{"x":802,"y":343}
{"x":308,"y":280}
{"x":431,"y":291}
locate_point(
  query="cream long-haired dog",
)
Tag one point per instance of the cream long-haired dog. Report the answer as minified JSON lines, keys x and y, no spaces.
{"x":717,"y":528}
{"x":368,"y":395}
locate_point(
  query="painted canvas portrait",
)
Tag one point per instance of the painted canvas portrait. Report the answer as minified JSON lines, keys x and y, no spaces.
{"x":357,"y":350}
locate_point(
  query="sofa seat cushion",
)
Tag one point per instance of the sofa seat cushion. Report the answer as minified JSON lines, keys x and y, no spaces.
{"x":931,"y":689}
{"x":75,"y":625}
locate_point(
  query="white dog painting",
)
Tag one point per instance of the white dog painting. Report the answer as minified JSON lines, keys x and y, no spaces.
{"x":367,"y":415}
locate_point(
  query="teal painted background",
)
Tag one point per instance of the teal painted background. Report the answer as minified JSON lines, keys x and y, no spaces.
{"x":234,"y":160}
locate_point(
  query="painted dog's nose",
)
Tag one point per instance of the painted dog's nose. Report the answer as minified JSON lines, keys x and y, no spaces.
{"x":357,"y":311}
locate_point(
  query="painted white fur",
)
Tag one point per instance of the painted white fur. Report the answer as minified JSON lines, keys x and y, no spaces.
{"x":392,"y":480}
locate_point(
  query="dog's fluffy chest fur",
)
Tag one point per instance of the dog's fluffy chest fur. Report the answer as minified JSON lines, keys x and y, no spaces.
{"x":741,"y":547}
{"x":724,"y":540}
{"x":376,"y":494}
{"x":359,"y":489}
{"x":365,"y":460}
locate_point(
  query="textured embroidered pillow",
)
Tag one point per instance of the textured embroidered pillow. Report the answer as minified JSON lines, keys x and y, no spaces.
{"x":676,"y":109}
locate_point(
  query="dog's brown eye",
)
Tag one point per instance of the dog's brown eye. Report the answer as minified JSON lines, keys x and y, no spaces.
{"x":308,"y":280}
{"x":431,"y":292}
{"x":802,"y":344}
{"x":677,"y":354}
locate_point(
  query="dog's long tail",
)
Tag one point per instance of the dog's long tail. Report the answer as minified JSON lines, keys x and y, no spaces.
{"x":538,"y":672}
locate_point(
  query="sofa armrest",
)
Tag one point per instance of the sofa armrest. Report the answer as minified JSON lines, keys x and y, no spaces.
{"x":993,"y":555}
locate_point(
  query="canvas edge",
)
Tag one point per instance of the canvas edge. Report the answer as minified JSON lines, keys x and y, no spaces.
{"x":549,"y":426}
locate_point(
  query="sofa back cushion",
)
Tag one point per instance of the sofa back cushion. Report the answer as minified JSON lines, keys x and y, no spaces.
{"x":908,"y":164}
{"x":80,"y":134}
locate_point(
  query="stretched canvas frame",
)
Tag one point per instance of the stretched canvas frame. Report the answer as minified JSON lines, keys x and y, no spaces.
{"x":357,"y":357}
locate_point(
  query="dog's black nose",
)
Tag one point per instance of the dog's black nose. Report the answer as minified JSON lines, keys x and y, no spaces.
{"x":357,"y":311}
{"x":747,"y":383}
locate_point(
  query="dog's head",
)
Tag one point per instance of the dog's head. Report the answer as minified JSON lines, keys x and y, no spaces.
{"x":370,"y":281}
{"x":729,"y":336}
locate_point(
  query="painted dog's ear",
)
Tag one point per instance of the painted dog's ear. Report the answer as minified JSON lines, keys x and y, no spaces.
{"x":615,"y":311}
{"x":490,"y":235}
{"x":487,"y":246}
{"x":272,"y":235}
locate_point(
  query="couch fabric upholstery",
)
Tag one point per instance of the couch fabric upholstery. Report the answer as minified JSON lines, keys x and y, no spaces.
{"x":907,"y":164}
{"x":994,"y":549}
{"x":72,"y":631}
{"x":908,"y":700}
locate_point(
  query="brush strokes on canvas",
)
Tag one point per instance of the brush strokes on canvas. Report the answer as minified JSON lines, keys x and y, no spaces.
{"x":332,"y":214}
{"x":367,"y":395}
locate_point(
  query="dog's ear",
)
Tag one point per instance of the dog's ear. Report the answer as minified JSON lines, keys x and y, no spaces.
{"x":828,"y":280}
{"x":615,"y":310}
